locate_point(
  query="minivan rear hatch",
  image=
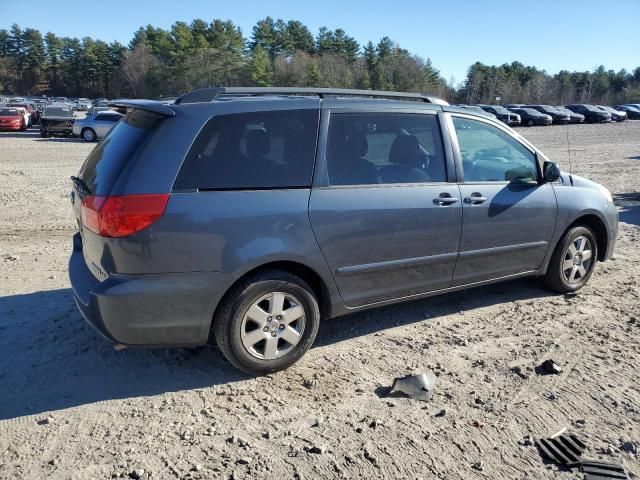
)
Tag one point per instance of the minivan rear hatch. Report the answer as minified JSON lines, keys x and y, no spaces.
{"x":101,"y":170}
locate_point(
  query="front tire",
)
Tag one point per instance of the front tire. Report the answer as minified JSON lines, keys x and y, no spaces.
{"x":88,"y":135}
{"x":573,"y":261}
{"x":267,"y":322}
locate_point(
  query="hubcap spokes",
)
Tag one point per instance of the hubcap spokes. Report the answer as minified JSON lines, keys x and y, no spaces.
{"x":272,"y":326}
{"x":577,"y":260}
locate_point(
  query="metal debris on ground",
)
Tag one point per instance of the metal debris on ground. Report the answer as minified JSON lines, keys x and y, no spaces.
{"x":594,"y":470}
{"x":550,"y":367}
{"x":418,"y":387}
{"x":564,"y":449}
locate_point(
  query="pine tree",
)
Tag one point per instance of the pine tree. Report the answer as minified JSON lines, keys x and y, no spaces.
{"x":259,"y":72}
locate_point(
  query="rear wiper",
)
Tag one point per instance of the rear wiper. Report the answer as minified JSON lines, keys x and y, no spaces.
{"x":82,"y":186}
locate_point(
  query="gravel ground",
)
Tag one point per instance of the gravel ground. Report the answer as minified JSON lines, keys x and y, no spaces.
{"x":72,"y":407}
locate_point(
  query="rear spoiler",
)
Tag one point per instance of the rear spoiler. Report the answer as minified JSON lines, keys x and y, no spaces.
{"x":149,"y":105}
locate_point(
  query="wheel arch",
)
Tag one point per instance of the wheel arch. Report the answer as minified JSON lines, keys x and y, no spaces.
{"x":87,"y":127}
{"x":306,"y":273}
{"x":599,"y":228}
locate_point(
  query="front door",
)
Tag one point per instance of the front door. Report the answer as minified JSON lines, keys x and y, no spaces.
{"x":384,"y":215}
{"x":509,"y":213}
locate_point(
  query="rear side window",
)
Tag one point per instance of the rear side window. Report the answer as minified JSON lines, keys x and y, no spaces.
{"x":107,"y":118}
{"x":248,"y":151}
{"x":106,"y":160}
{"x":388,"y":148}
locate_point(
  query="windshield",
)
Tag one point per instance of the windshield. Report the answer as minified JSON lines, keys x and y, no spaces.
{"x":58,"y":112}
{"x":530,"y":111}
{"x":108,"y":158}
{"x":499,"y":109}
{"x":8,"y":112}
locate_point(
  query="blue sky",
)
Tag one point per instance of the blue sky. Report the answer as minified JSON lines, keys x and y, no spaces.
{"x":550,"y":34}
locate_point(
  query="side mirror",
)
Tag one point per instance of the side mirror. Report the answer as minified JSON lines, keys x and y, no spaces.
{"x":551,"y":171}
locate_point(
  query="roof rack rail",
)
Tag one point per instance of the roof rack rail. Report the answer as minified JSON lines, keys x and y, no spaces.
{"x":210,"y":94}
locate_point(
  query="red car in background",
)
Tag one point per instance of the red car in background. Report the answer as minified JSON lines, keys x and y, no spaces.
{"x":34,"y":115}
{"x":12,"y":119}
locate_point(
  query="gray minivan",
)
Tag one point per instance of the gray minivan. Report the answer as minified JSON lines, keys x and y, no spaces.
{"x":244,"y":216}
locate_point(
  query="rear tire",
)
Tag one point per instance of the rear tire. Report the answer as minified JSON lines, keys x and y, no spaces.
{"x":267,"y":322}
{"x":530,"y":123}
{"x":43,"y":134}
{"x":573,"y":261}
{"x":88,"y":135}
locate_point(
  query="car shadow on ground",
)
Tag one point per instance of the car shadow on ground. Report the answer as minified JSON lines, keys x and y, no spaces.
{"x":628,"y":207}
{"x":61,"y":139}
{"x":25,"y":134}
{"x":379,"y":319}
{"x":52,"y":359}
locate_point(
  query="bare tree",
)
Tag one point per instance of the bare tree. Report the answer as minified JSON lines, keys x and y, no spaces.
{"x":136,"y":66}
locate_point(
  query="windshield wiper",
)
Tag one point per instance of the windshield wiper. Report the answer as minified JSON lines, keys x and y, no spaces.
{"x":82,"y":186}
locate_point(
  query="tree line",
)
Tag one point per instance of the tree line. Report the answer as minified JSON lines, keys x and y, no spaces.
{"x":517,"y":83}
{"x":160,"y":62}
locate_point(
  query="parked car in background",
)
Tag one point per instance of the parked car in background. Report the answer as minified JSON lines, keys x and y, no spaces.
{"x":94,"y":127}
{"x":56,"y":120}
{"x":478,"y":110}
{"x":558,"y":117}
{"x":632,"y":112}
{"x":31,"y":110}
{"x":216,"y":218}
{"x":12,"y":119}
{"x":531,"y":117}
{"x":591,"y":113}
{"x":24,"y":113}
{"x":616,"y":115}
{"x":83,"y":104}
{"x":573,"y":116}
{"x":95,"y":110}
{"x":504,"y":115}
{"x":101,"y":103}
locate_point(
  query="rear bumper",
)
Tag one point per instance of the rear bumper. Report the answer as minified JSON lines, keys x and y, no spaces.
{"x":154,"y":309}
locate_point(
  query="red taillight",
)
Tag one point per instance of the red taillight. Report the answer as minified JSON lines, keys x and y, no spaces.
{"x":123,"y":215}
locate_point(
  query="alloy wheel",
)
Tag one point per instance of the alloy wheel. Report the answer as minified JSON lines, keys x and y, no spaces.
{"x":273,"y":325}
{"x":577,"y":260}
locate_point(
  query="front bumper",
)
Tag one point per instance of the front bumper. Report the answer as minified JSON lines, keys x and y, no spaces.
{"x":543,"y":121}
{"x":611,"y":214}
{"x":152,"y":309}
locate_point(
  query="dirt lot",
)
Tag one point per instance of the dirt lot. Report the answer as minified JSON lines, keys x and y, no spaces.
{"x":72,"y":407}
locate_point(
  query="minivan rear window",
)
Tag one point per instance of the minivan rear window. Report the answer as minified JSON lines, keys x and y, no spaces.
{"x":106,"y":160}
{"x":251,"y":151}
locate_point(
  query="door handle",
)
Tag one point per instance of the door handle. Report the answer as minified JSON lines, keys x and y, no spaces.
{"x":475,"y":199}
{"x":445,"y":199}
